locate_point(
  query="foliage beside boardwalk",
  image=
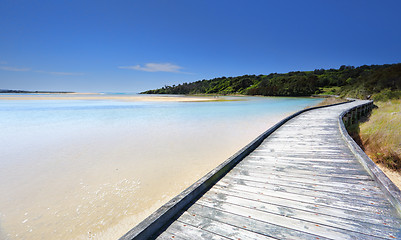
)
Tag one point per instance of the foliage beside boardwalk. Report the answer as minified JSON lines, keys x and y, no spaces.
{"x":380,"y":135}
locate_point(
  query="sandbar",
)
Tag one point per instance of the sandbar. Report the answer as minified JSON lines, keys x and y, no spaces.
{"x":129,"y":98}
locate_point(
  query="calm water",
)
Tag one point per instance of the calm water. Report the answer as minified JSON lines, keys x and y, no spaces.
{"x":82,"y":169}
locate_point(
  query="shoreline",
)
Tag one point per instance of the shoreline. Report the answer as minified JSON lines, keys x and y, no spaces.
{"x":99,"y":96}
{"x":131,"y":98}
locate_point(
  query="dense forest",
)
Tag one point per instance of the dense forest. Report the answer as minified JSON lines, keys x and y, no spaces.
{"x":360,"y":82}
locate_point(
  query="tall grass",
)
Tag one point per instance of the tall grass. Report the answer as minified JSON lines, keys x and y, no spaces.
{"x":380,"y":136}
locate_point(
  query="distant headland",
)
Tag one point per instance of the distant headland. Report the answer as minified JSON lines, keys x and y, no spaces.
{"x":24,"y":91}
{"x":373,"y":81}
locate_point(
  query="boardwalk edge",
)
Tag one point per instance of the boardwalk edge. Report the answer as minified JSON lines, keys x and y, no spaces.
{"x":152,"y":224}
{"x":387,"y":186}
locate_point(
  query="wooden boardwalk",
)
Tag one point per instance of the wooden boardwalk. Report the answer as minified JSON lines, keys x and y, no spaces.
{"x":302,"y":182}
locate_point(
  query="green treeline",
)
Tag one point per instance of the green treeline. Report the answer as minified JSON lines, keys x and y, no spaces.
{"x":347,"y":81}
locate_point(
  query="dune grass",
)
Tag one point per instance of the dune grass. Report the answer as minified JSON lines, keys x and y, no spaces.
{"x":380,"y":135}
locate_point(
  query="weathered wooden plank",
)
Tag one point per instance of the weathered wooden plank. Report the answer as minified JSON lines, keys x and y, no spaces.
{"x":307,"y":155}
{"x":300,"y":225}
{"x":169,"y":236}
{"x":287,"y":186}
{"x":308,"y":126}
{"x":290,"y":151}
{"x":282,"y":134}
{"x":362,"y":216}
{"x":367,"y":199}
{"x":271,"y":180}
{"x":220,"y":228}
{"x":352,"y":204}
{"x":276,"y":174}
{"x":268,"y":155}
{"x":179,"y":230}
{"x":300,"y":148}
{"x":306,"y":172}
{"x":291,"y":212}
{"x":267,"y":158}
{"x":316,"y":136}
{"x":322,"y":168}
{"x":312,"y":182}
{"x":325,"y":172}
{"x":289,"y":157}
{"x":305,"y":161}
{"x":257,"y":226}
{"x":333,"y":141}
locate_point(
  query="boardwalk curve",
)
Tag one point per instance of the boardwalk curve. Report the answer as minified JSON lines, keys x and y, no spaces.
{"x":301,"y":179}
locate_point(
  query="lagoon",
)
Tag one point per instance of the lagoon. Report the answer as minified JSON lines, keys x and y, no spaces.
{"x":79,"y":167}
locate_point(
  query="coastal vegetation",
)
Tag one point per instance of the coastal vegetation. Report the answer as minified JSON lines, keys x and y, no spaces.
{"x":380,"y":134}
{"x":384,"y":81}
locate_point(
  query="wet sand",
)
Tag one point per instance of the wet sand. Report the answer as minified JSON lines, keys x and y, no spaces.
{"x":103,"y":185}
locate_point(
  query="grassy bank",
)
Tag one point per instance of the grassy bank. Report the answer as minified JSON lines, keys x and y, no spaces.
{"x":380,"y":137}
{"x":381,"y":134}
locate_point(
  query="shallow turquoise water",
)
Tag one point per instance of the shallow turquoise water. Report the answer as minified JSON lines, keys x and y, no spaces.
{"x":97,"y":167}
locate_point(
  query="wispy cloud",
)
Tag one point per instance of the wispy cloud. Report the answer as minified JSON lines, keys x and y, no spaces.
{"x":155,"y":67}
{"x":19,"y":69}
{"x":61,"y":73}
{"x":14,"y":69}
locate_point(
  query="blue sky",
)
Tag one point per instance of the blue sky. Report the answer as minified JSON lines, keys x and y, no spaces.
{"x":131,"y":46}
